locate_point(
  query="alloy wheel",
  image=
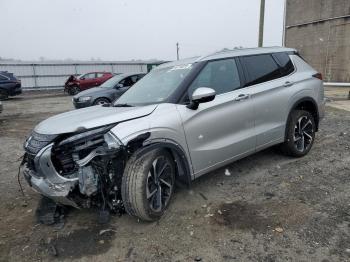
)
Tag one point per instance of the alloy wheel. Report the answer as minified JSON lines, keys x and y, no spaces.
{"x":303,"y":133}
{"x":160,"y":183}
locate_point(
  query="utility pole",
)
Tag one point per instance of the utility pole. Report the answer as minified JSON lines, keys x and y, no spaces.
{"x":177,"y":50}
{"x":261,"y":23}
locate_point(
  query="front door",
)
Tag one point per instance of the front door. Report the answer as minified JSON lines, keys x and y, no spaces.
{"x":87,"y":81}
{"x":223,"y":129}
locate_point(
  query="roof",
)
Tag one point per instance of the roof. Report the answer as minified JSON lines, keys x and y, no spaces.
{"x":229,"y":53}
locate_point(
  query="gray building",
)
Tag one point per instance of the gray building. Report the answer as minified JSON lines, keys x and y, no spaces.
{"x":320,"y":30}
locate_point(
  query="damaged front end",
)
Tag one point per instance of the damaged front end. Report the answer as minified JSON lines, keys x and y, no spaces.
{"x":82,"y":169}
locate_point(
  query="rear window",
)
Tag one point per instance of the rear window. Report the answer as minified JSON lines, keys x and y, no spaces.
{"x":286,"y":65}
{"x":260,"y":68}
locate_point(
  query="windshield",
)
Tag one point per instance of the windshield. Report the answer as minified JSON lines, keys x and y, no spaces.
{"x":156,"y":87}
{"x":110,"y":83}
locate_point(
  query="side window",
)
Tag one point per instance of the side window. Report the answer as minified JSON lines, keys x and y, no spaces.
{"x":283,"y":60}
{"x":98,"y":75}
{"x":221,"y":75}
{"x":261,"y":68}
{"x":134,"y":79}
{"x":126,"y":82}
{"x":2,"y":78}
{"x":89,"y":76}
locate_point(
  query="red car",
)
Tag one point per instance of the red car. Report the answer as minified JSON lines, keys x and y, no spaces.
{"x":74,"y":84}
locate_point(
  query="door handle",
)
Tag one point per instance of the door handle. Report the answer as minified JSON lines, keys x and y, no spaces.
{"x":288,"y":84}
{"x":242,"y":97}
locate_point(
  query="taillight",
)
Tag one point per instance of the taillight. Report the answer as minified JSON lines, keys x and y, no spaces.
{"x":318,"y":75}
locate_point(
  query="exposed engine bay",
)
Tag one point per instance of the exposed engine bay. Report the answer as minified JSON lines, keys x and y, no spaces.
{"x":82,"y":170}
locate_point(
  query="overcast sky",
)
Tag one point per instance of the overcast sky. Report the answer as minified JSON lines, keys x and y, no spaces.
{"x":132,"y":29}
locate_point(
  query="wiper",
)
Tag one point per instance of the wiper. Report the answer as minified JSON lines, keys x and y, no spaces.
{"x":123,"y":105}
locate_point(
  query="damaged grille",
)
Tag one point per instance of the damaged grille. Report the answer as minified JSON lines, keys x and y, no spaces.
{"x":36,"y":142}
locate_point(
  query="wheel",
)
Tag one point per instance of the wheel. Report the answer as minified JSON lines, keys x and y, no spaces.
{"x":101,"y":101}
{"x":3,"y":94}
{"x":148,"y":184}
{"x":300,"y":133}
{"x":73,"y":90}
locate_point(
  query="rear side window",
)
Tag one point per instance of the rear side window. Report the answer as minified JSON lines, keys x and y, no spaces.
{"x":221,"y":75}
{"x":260,"y":68}
{"x":100,"y":75}
{"x":286,"y":65}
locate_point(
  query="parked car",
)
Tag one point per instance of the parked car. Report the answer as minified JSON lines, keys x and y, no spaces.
{"x":182,"y":120}
{"x":74,"y":84}
{"x":9,"y":85}
{"x":107,"y":92}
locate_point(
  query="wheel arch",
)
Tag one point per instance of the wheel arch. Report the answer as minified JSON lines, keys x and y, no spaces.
{"x":307,"y":104}
{"x":140,"y":146}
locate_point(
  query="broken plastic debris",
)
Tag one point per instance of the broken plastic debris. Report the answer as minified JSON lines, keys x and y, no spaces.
{"x":227,"y":172}
{"x":279,"y":229}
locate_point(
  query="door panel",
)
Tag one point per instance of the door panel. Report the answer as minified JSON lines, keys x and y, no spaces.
{"x":267,"y":76}
{"x":270,"y":104}
{"x":222,"y":129}
{"x":219,"y":130}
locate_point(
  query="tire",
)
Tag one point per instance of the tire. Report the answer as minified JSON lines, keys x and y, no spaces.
{"x":73,"y":90}
{"x":3,"y":94}
{"x":101,"y":101}
{"x":140,"y":190}
{"x":300,"y":133}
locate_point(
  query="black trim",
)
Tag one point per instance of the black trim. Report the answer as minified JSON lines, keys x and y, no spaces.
{"x":180,"y":157}
{"x":242,"y":76}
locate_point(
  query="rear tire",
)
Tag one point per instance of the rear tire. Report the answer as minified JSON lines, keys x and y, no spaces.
{"x":3,"y":94}
{"x":148,"y":184}
{"x":300,"y":134}
{"x":73,"y":90}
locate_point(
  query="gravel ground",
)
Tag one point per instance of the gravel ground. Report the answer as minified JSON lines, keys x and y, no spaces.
{"x":267,"y":207}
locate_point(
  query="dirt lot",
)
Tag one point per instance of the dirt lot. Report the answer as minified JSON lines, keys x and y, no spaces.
{"x":271,"y":207}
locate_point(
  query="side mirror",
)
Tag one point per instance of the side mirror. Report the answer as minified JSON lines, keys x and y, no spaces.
{"x":201,"y":95}
{"x":119,"y":86}
{"x":82,"y":78}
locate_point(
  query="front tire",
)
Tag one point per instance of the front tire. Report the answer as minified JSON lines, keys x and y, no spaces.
{"x":101,"y":101}
{"x":73,"y":90}
{"x":148,"y":184}
{"x":300,"y":133}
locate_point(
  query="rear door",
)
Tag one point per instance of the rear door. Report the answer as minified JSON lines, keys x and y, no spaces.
{"x":100,"y":78}
{"x":223,"y":129}
{"x":267,"y":77}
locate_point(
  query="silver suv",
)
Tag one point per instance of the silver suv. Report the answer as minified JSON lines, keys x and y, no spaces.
{"x":182,"y":120}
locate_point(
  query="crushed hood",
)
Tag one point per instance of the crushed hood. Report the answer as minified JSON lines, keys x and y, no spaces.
{"x":90,"y":117}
